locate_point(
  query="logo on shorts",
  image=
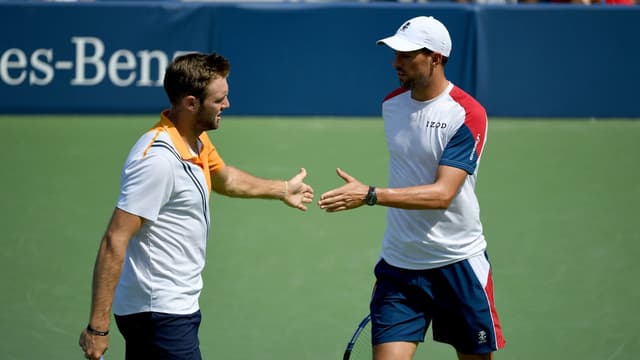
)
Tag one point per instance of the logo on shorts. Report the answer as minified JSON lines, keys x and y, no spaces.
{"x":482,"y":337}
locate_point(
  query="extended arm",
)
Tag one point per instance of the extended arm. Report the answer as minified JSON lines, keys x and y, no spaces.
{"x":432,"y":196}
{"x":437,"y":195}
{"x":106,"y":273}
{"x":231,"y":181}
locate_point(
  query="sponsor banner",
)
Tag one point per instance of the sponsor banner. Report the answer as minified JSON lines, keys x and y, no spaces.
{"x":91,"y":58}
{"x":286,"y":59}
{"x":315,"y":58}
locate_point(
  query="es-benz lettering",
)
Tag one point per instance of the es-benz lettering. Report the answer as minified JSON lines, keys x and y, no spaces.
{"x":90,"y":65}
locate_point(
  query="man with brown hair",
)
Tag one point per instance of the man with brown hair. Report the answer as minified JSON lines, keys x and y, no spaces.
{"x":148,"y":268}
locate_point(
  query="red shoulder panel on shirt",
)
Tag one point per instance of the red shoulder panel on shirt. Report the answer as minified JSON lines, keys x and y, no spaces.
{"x":394,"y":93}
{"x":475,"y":116}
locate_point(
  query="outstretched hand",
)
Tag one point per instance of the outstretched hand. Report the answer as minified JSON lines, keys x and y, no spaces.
{"x":297,"y":193}
{"x":349,"y":196}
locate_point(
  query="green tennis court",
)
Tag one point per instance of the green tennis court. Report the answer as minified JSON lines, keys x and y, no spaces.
{"x":559,"y":204}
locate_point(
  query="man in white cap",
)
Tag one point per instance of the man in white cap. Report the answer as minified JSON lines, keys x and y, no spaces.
{"x":433,"y":266}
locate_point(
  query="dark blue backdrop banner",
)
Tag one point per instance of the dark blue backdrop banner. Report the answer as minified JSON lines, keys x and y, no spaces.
{"x":559,"y":60}
{"x":314,"y":59}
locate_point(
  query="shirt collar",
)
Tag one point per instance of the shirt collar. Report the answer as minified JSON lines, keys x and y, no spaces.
{"x":177,"y":140}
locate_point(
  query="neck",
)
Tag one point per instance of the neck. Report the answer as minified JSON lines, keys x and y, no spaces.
{"x":185,"y":128}
{"x":432,"y":89}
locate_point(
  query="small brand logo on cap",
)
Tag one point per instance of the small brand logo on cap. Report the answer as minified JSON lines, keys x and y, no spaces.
{"x":405,"y":26}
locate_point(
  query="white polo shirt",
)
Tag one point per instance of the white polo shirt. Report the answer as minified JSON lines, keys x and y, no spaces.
{"x":168,"y":185}
{"x":422,"y":135}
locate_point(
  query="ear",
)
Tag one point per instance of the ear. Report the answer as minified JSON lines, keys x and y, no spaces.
{"x":437,"y":58}
{"x":190,"y":103}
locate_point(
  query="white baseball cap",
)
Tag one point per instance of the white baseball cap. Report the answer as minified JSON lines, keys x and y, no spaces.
{"x":420,"y":32}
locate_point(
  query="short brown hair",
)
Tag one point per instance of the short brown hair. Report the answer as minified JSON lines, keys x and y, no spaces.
{"x":190,"y":74}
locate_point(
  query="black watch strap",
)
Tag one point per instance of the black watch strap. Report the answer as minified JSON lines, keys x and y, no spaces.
{"x":93,"y":331}
{"x":371,"y":198}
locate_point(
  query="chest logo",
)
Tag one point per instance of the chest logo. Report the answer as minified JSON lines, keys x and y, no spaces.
{"x":436,"y":125}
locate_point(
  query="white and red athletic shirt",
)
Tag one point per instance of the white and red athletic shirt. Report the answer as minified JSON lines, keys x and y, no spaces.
{"x":422,"y":135}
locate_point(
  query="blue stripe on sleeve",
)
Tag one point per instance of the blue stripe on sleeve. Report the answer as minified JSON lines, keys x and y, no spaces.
{"x":460,"y":152}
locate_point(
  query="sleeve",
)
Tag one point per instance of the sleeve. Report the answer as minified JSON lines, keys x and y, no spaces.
{"x":146,"y":185}
{"x":214,"y":160}
{"x":465,"y":146}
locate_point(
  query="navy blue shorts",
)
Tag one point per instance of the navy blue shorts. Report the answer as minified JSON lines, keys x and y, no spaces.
{"x":457,"y":298}
{"x":159,"y":336}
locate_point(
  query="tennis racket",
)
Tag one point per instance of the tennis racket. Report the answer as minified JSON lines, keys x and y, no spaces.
{"x":359,"y":347}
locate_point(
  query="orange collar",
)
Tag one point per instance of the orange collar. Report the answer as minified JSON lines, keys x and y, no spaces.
{"x":176,"y":138}
{"x":201,"y":159}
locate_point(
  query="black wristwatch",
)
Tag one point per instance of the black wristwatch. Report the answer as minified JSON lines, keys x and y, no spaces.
{"x":371,"y":198}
